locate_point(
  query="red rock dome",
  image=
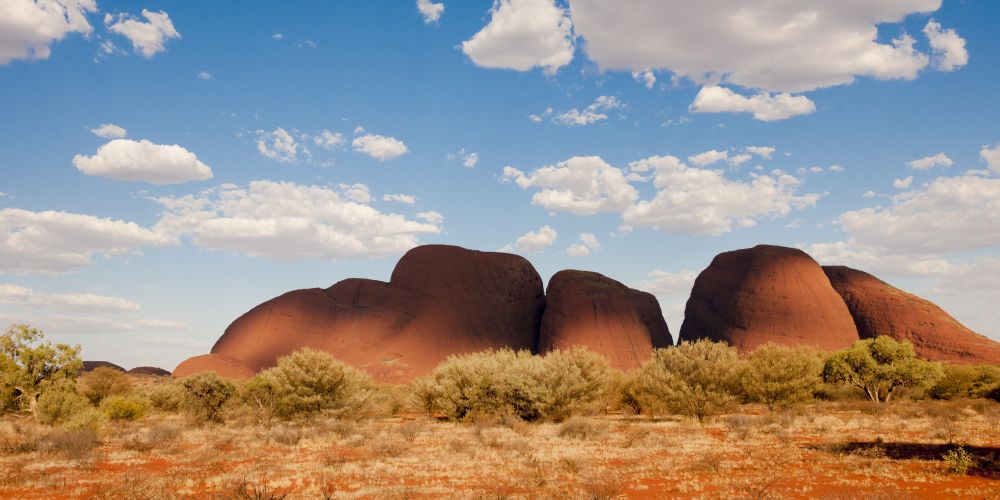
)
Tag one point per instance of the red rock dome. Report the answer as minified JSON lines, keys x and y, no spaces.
{"x":591,"y":310}
{"x":879,"y":308}
{"x":767,"y":294}
{"x":441,"y":300}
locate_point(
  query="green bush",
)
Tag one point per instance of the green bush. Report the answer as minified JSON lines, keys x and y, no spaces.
{"x":58,"y":406}
{"x":696,"y":379}
{"x":124,"y":408}
{"x":165,"y":397}
{"x":959,"y":461}
{"x":781,"y":376}
{"x":965,"y":381}
{"x":29,"y":367}
{"x":507,"y":382}
{"x":103,"y":382}
{"x":879,"y":366}
{"x":310,"y":382}
{"x":206,"y":395}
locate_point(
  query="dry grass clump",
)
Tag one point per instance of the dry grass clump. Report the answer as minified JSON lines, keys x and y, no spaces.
{"x":582,"y":428}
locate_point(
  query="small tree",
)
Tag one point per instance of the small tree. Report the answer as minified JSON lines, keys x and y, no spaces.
{"x":29,"y":366}
{"x":964,"y":381}
{"x":309,"y":382}
{"x":697,"y":379}
{"x":205,"y":396}
{"x":102,"y":382}
{"x":578,"y":380}
{"x":879,"y":366}
{"x":779,"y":376}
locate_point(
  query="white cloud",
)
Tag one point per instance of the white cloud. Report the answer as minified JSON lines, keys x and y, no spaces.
{"x":938,"y":160}
{"x":946,"y":214}
{"x":147,"y":37}
{"x":53,"y":242}
{"x":775,"y":45}
{"x":380,"y":147}
{"x":737,"y":160}
{"x":278,"y":145}
{"x":538,"y":118}
{"x":277,"y":36}
{"x":991,"y":155}
{"x":949,"y":48}
{"x":763,"y":106}
{"x":469,"y":160}
{"x":109,"y":131}
{"x":588,"y":243}
{"x":646,"y":77}
{"x":835,"y":168}
{"x":23,"y":296}
{"x":205,"y":75}
{"x":699,"y":201}
{"x":431,"y":217}
{"x":761,"y":151}
{"x":581,"y":185}
{"x":903,"y":183}
{"x":143,"y":161}
{"x":590,"y":114}
{"x":358,"y":193}
{"x":28,"y":27}
{"x":430,"y":11}
{"x":533,"y":241}
{"x":400,"y":198}
{"x":708,"y":157}
{"x":161,"y":325}
{"x":523,"y":34}
{"x":284,"y":220}
{"x":869,"y":194}
{"x":328,"y":140}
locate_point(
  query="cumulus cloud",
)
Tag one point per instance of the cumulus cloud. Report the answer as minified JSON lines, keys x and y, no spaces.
{"x":903,"y":183}
{"x":143,"y":161}
{"x":358,"y":193}
{"x":588,"y":243}
{"x":109,"y":131}
{"x":776,"y":46}
{"x":646,"y":77}
{"x":581,"y":185}
{"x":469,"y":160}
{"x":708,"y":157}
{"x":284,"y":220}
{"x":949,"y":48}
{"x":205,"y":75}
{"x":761,"y":151}
{"x":51,"y":242}
{"x":590,"y":114}
{"x":400,"y":198}
{"x":991,"y":155}
{"x":328,"y":140}
{"x":927,"y":162}
{"x":698,"y":201}
{"x":380,"y":147}
{"x":533,"y":241}
{"x":147,"y":37}
{"x":278,"y":145}
{"x":763,"y":106}
{"x":23,"y":296}
{"x":430,"y":11}
{"x":28,"y":27}
{"x":521,"y":35}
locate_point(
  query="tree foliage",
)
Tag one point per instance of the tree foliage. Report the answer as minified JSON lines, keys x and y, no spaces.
{"x":879,"y":366}
{"x":965,"y":381}
{"x":102,"y":382}
{"x":697,"y":379}
{"x":206,"y":395}
{"x":780,"y":376}
{"x":30,"y":366}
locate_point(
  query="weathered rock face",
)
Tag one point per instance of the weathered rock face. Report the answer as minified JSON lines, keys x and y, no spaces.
{"x":89,"y":366}
{"x":440,"y":300}
{"x":591,"y":310}
{"x":149,"y":370}
{"x":223,"y":365}
{"x":881,"y":309}
{"x":767,"y":294}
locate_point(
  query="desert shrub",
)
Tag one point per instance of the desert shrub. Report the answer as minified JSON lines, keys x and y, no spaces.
{"x":103,"y":382}
{"x":582,"y":428}
{"x":959,"y":461}
{"x":74,"y":444}
{"x":780,"y":376}
{"x":696,"y":379}
{"x":879,"y":366}
{"x":165,"y":397}
{"x":58,"y":406}
{"x":515,"y":383}
{"x":124,"y":408}
{"x":965,"y":381}
{"x":310,"y":382}
{"x":206,"y":395}
{"x":29,"y":367}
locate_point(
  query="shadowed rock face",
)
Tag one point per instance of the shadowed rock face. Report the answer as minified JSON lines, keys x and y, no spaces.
{"x":89,"y":366}
{"x":591,"y":310}
{"x":223,"y":365}
{"x":767,"y":294}
{"x":881,"y":309}
{"x":149,"y":370}
{"x":440,"y":300}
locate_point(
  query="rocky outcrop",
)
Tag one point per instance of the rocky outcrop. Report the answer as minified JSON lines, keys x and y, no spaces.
{"x":878,"y":308}
{"x":89,"y":366}
{"x":767,"y":294}
{"x":440,"y":300}
{"x":591,"y":310}
{"x":150,"y":371}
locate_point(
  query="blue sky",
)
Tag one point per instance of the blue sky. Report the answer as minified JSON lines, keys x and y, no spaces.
{"x":573,"y":133}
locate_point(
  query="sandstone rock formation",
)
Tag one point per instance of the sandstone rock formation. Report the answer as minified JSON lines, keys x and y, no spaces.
{"x":881,"y":309}
{"x":89,"y":366}
{"x":591,"y":310}
{"x":767,"y":294}
{"x":149,"y":370}
{"x":440,"y":300}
